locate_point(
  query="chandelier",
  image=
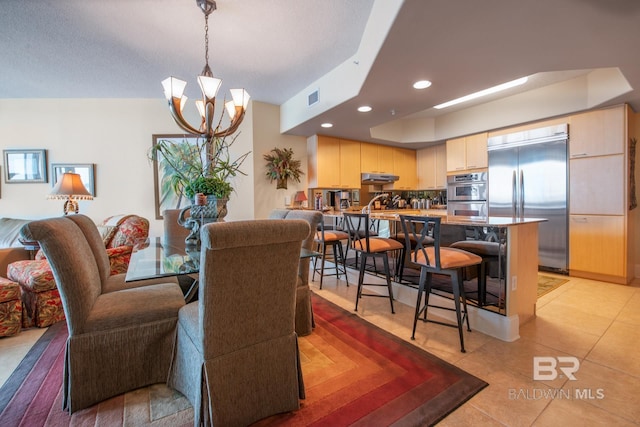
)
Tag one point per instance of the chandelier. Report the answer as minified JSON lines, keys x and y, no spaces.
{"x":209,"y":85}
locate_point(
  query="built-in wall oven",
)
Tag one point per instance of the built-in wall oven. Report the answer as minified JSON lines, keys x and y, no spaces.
{"x":467,"y":196}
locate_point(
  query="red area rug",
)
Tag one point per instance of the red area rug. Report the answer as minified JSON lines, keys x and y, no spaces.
{"x":355,"y":374}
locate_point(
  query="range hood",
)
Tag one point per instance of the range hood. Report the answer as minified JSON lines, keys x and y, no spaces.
{"x":378,"y":178}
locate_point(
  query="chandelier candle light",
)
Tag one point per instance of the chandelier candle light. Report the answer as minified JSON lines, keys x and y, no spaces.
{"x":174,"y":92}
{"x":71,"y":189}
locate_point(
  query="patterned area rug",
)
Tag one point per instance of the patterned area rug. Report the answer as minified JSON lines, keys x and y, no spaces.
{"x":546,"y":284}
{"x":355,"y":374}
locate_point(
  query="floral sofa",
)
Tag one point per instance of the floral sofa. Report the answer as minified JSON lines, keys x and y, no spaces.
{"x":11,"y":250}
{"x":40,"y":296}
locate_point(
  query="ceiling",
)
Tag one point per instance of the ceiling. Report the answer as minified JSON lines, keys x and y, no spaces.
{"x":278,"y":49}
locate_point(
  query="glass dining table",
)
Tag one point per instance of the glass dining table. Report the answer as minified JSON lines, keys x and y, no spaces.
{"x":153,"y":259}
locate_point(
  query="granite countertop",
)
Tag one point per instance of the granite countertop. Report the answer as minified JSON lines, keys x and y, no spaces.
{"x":394,"y":215}
{"x":492,"y":221}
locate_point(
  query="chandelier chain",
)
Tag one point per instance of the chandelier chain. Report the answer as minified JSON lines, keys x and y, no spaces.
{"x":206,"y":39}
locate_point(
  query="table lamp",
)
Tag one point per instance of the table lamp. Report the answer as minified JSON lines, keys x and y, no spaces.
{"x":70,"y":188}
{"x":299,"y":198}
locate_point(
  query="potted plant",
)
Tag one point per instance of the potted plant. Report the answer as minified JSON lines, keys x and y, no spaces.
{"x":281,"y":166}
{"x":201,"y":167}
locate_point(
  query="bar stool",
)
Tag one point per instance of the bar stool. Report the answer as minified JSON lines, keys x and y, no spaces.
{"x":400,"y":237}
{"x":439,"y":260}
{"x":489,"y":252}
{"x":333,"y":238}
{"x":374,"y":230}
{"x":367,"y":246}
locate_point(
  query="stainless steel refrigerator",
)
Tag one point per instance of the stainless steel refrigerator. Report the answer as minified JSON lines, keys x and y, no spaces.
{"x":528,"y":178}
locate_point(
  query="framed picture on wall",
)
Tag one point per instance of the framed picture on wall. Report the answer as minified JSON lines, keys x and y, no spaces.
{"x":85,"y":170}
{"x":25,"y":166}
{"x":165,"y":196}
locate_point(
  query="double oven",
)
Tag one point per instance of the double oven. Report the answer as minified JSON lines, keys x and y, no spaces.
{"x":467,"y":196}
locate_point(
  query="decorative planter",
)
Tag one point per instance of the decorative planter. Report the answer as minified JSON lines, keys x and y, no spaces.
{"x":281,"y":183}
{"x":214,"y":210}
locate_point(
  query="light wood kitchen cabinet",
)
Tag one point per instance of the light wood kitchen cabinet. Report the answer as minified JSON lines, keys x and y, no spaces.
{"x":350,"y":163}
{"x":404,"y":166}
{"x":333,"y":163}
{"x":597,"y":133}
{"x":469,"y":152}
{"x":598,"y":246}
{"x":601,"y":227}
{"x":596,"y":185}
{"x":432,"y":167}
{"x":376,"y":158}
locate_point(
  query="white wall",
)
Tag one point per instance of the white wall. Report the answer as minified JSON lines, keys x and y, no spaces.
{"x":116,"y":134}
{"x":266,"y":136}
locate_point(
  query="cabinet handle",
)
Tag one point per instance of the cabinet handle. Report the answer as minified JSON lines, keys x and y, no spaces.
{"x":471,"y":166}
{"x":579,"y":155}
{"x":580,"y":219}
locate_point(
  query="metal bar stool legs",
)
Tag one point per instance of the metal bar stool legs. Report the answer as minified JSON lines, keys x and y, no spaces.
{"x":363,"y":262}
{"x":458,"y":298}
{"x":333,"y":238}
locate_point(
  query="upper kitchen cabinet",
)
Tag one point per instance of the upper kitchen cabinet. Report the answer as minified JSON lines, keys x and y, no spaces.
{"x":333,"y":162}
{"x":376,"y":158}
{"x":350,"y":163}
{"x":404,"y":166}
{"x":432,"y":167}
{"x":597,"y":133}
{"x":466,"y":153}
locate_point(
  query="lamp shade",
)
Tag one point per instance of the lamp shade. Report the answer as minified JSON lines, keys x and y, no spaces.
{"x":70,"y":185}
{"x":300,"y":197}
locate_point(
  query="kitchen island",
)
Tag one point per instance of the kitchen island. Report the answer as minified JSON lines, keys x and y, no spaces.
{"x":518,"y":279}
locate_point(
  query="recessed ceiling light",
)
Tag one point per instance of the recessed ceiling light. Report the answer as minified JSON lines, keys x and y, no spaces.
{"x":484,"y":92}
{"x":364,"y":109}
{"x":327,"y":125}
{"x":421,"y":84}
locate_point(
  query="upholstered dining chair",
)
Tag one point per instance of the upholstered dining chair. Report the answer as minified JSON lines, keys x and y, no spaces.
{"x":236,"y":355}
{"x":433,"y":258}
{"x":120,"y":334}
{"x":304,"y":309}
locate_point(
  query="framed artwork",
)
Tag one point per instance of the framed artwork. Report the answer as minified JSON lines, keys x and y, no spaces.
{"x":165,"y":197}
{"x":85,"y":170}
{"x":25,"y":166}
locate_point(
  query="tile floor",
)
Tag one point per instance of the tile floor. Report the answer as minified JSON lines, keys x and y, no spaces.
{"x":597,"y":322}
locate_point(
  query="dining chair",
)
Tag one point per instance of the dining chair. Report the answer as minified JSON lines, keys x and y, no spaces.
{"x":369,"y":247}
{"x":437,"y":259}
{"x":236,"y":353}
{"x":120,"y":334}
{"x":304,"y":309}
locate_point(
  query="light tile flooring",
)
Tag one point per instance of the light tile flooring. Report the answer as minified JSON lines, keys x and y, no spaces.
{"x":597,"y":322}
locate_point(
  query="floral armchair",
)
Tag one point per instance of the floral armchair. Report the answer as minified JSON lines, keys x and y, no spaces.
{"x":40,"y":296}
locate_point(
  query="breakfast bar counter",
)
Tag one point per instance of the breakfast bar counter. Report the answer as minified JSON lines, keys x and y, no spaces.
{"x":518,"y":279}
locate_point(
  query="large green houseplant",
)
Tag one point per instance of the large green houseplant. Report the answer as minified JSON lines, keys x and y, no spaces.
{"x":201,"y":167}
{"x":198,"y":165}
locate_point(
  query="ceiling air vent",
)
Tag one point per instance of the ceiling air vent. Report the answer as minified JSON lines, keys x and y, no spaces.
{"x":312,"y":98}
